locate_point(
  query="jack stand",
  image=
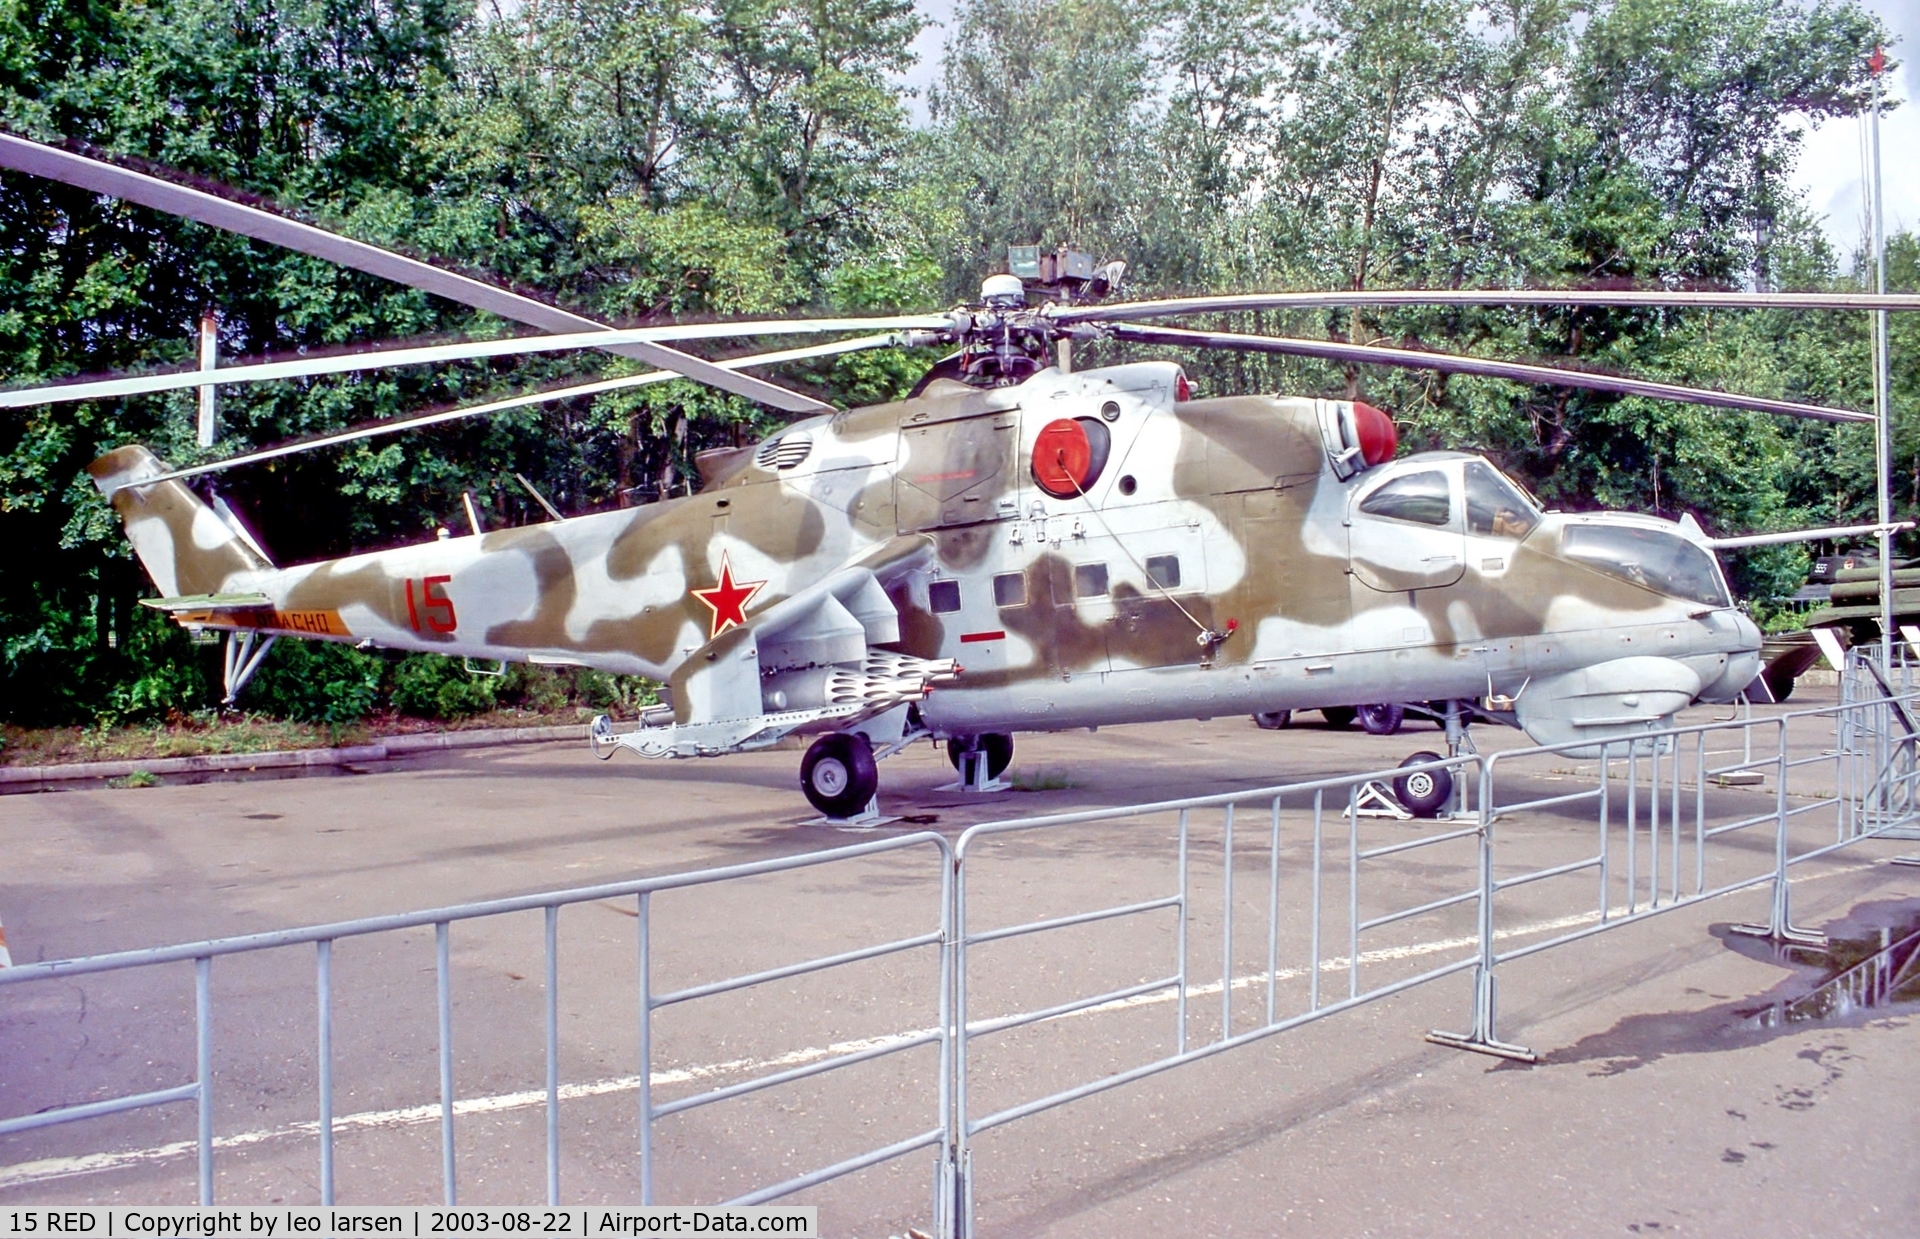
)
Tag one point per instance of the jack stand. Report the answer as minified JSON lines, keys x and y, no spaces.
{"x":1375,"y":801}
{"x":867,"y":819}
{"x":239,"y":660}
{"x":974,"y":777}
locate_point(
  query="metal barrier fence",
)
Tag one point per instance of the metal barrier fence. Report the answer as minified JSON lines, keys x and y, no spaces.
{"x":442,"y":920}
{"x":1661,"y":822}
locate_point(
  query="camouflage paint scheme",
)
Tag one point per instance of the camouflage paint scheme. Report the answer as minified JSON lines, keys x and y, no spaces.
{"x":858,"y":553}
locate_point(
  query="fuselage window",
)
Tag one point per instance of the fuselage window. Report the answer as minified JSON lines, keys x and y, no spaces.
{"x":1089,"y":580}
{"x":1422,"y":498}
{"x":1010,"y":589}
{"x":944,"y":596}
{"x":1495,"y":506}
{"x":1164,"y":571}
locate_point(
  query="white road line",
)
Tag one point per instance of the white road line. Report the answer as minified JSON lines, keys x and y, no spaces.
{"x":48,"y":1169}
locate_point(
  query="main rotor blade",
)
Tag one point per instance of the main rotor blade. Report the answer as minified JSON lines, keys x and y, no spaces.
{"x":398,"y":425}
{"x":1804,"y":535}
{"x":1173,"y":308}
{"x":100,"y":177}
{"x":1547,"y":376}
{"x":464,"y":350}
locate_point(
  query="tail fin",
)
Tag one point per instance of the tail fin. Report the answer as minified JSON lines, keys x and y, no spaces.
{"x":185,"y":546}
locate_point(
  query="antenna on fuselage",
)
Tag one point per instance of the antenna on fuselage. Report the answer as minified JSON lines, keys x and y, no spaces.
{"x":538,"y":497}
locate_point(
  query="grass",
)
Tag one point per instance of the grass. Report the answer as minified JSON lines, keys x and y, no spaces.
{"x":198,"y":735}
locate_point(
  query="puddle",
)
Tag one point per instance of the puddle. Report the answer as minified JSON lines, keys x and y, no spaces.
{"x":1870,"y":969}
{"x":1872,"y":961}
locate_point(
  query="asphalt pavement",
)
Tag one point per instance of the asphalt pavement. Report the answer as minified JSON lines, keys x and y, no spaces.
{"x":1681,"y":1089}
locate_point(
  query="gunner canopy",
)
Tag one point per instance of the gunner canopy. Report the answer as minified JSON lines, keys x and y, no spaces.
{"x":1653,"y":558}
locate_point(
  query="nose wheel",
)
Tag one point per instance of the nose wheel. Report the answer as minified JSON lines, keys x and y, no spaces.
{"x":838,"y":774}
{"x":1424,"y":792}
{"x":1428,"y":793}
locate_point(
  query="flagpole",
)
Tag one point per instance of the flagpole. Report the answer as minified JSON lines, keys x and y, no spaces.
{"x":1882,"y":410}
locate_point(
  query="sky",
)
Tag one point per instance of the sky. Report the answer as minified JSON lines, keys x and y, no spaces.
{"x":1833,"y":154}
{"x":1829,"y":173}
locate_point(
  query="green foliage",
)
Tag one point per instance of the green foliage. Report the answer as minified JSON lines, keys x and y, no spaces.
{"x":625,"y":694}
{"x":429,"y":686}
{"x":654,"y":157}
{"x":317,"y":682}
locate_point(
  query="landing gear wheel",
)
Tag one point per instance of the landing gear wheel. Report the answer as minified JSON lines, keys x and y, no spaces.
{"x":998,"y":748}
{"x":838,"y":774}
{"x":1382,"y":719}
{"x":1424,"y":793}
{"x":1339,"y":717}
{"x":1272,"y":720}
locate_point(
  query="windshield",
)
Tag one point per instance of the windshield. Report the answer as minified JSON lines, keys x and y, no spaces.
{"x":1653,"y":558}
{"x":1495,"y":506}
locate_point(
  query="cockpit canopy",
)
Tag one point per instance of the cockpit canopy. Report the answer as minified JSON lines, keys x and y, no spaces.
{"x":1428,"y":499}
{"x":1494,"y":506}
{"x":1649,"y":557}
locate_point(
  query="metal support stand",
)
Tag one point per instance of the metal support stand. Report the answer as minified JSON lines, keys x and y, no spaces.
{"x":1374,"y":800}
{"x":1481,"y":1040}
{"x":1780,"y":929}
{"x":866,"y":819}
{"x":240,"y":659}
{"x":974,"y":777}
{"x":206,"y":427}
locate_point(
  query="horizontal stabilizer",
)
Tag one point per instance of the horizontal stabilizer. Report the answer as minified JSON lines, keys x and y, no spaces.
{"x":205,"y":603}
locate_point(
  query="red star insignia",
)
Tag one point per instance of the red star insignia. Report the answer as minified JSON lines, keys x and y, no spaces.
{"x":728,"y":600}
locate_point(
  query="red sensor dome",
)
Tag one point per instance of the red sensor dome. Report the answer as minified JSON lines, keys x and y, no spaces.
{"x":1379,"y":440}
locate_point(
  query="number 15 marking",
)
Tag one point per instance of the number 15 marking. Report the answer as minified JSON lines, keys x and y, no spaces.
{"x":434,"y":602}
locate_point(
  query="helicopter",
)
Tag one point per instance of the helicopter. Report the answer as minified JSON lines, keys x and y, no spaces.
{"x":1017,"y":545}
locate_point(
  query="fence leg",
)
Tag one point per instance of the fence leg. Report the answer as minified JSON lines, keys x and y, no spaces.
{"x":955,"y":1220}
{"x":1483,"y":1039}
{"x":1780,"y":928}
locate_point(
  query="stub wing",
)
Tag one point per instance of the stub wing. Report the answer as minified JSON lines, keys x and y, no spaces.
{"x":809,"y":662}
